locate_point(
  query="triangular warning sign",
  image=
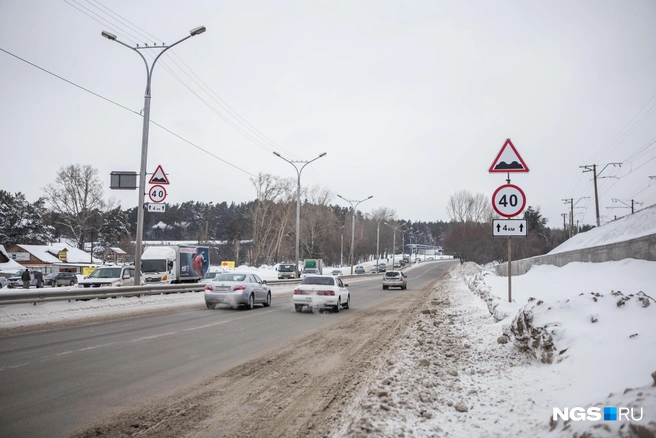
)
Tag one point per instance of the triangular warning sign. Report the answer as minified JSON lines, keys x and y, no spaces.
{"x":159,"y":177}
{"x":508,"y":160}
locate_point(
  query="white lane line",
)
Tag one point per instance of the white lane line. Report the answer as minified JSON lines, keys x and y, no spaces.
{"x":9,"y":367}
{"x":225,"y":322}
{"x":153,"y":337}
{"x":95,"y":346}
{"x":63,"y":353}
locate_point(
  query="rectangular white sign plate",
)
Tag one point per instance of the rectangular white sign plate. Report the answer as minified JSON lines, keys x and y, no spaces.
{"x":509,"y":227}
{"x":156,"y":208}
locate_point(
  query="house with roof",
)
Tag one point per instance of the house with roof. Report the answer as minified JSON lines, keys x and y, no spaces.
{"x":57,"y":257}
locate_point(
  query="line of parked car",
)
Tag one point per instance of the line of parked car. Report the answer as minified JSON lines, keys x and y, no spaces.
{"x":53,"y":279}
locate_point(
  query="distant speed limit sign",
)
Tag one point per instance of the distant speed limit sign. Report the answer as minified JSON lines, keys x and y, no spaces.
{"x":157,"y":193}
{"x":508,"y":200}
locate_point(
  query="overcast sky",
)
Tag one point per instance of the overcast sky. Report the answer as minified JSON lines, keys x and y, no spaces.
{"x":411,"y":100}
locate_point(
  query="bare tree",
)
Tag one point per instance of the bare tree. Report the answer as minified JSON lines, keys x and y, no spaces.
{"x":76,"y":198}
{"x":265,"y":223}
{"x":465,"y":207}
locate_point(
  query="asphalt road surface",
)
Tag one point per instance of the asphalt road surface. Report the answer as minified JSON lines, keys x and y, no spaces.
{"x":54,"y":383}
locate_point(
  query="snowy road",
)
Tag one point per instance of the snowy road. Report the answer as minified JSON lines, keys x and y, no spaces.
{"x":63,"y":379}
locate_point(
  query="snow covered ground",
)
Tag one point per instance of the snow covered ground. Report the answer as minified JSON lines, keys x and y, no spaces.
{"x":474,"y":365}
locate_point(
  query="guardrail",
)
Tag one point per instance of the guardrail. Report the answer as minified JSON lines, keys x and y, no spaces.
{"x":90,"y":293}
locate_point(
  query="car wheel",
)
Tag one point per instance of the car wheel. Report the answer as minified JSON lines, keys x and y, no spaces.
{"x":251,"y":302}
{"x":71,"y":283}
{"x":384,"y":287}
{"x":210,"y":305}
{"x":338,"y":306}
{"x":267,"y":303}
{"x":298,"y":307}
{"x":348,"y":302}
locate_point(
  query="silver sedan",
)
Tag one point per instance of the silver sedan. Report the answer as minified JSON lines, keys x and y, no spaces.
{"x":237,"y":289}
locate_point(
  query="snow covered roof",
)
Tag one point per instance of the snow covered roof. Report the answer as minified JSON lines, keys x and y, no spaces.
{"x":48,"y":253}
{"x":640,"y":224}
{"x":11,"y":265}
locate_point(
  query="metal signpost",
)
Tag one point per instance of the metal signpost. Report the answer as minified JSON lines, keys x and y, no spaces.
{"x":509,"y":201}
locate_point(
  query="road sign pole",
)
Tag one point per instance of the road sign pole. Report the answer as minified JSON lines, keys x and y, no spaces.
{"x":509,"y":269}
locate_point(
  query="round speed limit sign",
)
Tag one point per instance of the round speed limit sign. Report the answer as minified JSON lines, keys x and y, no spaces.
{"x":508,"y":200}
{"x":157,"y":193}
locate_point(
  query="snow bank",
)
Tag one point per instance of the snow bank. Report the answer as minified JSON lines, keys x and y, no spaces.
{"x":640,"y":224}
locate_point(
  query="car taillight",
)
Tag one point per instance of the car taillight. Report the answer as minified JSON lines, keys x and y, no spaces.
{"x":208,"y":287}
{"x":240,"y":287}
{"x":301,"y":292}
{"x":326,"y":292}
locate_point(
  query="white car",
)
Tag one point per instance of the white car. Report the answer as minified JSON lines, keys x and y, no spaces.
{"x":111,"y":275}
{"x":321,"y":291}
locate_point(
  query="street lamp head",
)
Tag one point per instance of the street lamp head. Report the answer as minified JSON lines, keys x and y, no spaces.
{"x":323,"y":154}
{"x":340,"y":196}
{"x":109,"y":36}
{"x":197,"y":31}
{"x":276,"y":154}
{"x":370,"y":197}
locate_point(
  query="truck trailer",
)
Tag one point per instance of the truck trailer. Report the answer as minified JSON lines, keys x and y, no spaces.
{"x":312,"y":267}
{"x":175,"y":263}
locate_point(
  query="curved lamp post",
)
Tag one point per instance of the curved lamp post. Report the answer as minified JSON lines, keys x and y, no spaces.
{"x":353,"y":207}
{"x":394,"y":241}
{"x":144,"y":136}
{"x":298,"y":197}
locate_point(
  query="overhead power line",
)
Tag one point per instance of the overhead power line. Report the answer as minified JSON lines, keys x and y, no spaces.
{"x":127,"y":109}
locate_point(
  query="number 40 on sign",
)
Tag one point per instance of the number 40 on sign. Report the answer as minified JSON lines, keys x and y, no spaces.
{"x":508,"y":200}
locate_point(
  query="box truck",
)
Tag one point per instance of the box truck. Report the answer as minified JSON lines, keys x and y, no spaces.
{"x":312,"y":267}
{"x":175,"y":263}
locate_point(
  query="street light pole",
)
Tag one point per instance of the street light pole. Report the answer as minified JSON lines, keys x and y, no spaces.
{"x":341,"y":249}
{"x":353,"y":207}
{"x":377,"y":238}
{"x":298,"y":198}
{"x":394,"y":241}
{"x":144,"y":136}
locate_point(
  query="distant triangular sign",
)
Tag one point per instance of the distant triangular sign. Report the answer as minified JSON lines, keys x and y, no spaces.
{"x":508,"y":160}
{"x":159,"y":177}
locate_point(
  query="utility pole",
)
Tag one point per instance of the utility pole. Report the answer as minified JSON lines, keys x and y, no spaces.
{"x":571,"y":214}
{"x":593,"y":168}
{"x":632,"y":206}
{"x":564,"y":215}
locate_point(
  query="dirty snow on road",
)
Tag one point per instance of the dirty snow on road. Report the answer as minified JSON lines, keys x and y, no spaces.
{"x":474,"y":366}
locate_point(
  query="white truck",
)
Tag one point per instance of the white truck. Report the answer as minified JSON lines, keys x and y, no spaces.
{"x":175,"y":263}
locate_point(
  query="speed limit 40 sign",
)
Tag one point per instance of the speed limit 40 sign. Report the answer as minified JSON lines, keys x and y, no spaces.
{"x":157,"y":193}
{"x":508,"y":200}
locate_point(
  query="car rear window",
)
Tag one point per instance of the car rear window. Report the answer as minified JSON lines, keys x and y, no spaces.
{"x":323,"y":281}
{"x":392,"y":274}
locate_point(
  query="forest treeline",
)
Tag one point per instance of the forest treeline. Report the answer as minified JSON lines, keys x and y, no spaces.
{"x":261,"y":231}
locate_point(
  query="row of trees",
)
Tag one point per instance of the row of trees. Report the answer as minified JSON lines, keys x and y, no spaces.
{"x":262,"y":230}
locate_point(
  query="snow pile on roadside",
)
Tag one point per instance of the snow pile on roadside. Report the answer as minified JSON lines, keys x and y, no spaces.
{"x":552,"y":330}
{"x":474,"y":277}
{"x":449,"y":376}
{"x":596,"y":325}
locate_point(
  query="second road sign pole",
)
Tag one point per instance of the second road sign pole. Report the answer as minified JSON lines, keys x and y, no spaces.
{"x":509,"y":270}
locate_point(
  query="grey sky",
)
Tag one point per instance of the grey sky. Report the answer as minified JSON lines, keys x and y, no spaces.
{"x":412,"y":100}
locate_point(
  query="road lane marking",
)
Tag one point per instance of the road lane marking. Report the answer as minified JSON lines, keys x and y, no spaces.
{"x":9,"y":367}
{"x":226,"y":321}
{"x":145,"y":338}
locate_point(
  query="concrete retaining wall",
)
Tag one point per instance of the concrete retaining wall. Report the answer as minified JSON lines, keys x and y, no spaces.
{"x":643,"y":248}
